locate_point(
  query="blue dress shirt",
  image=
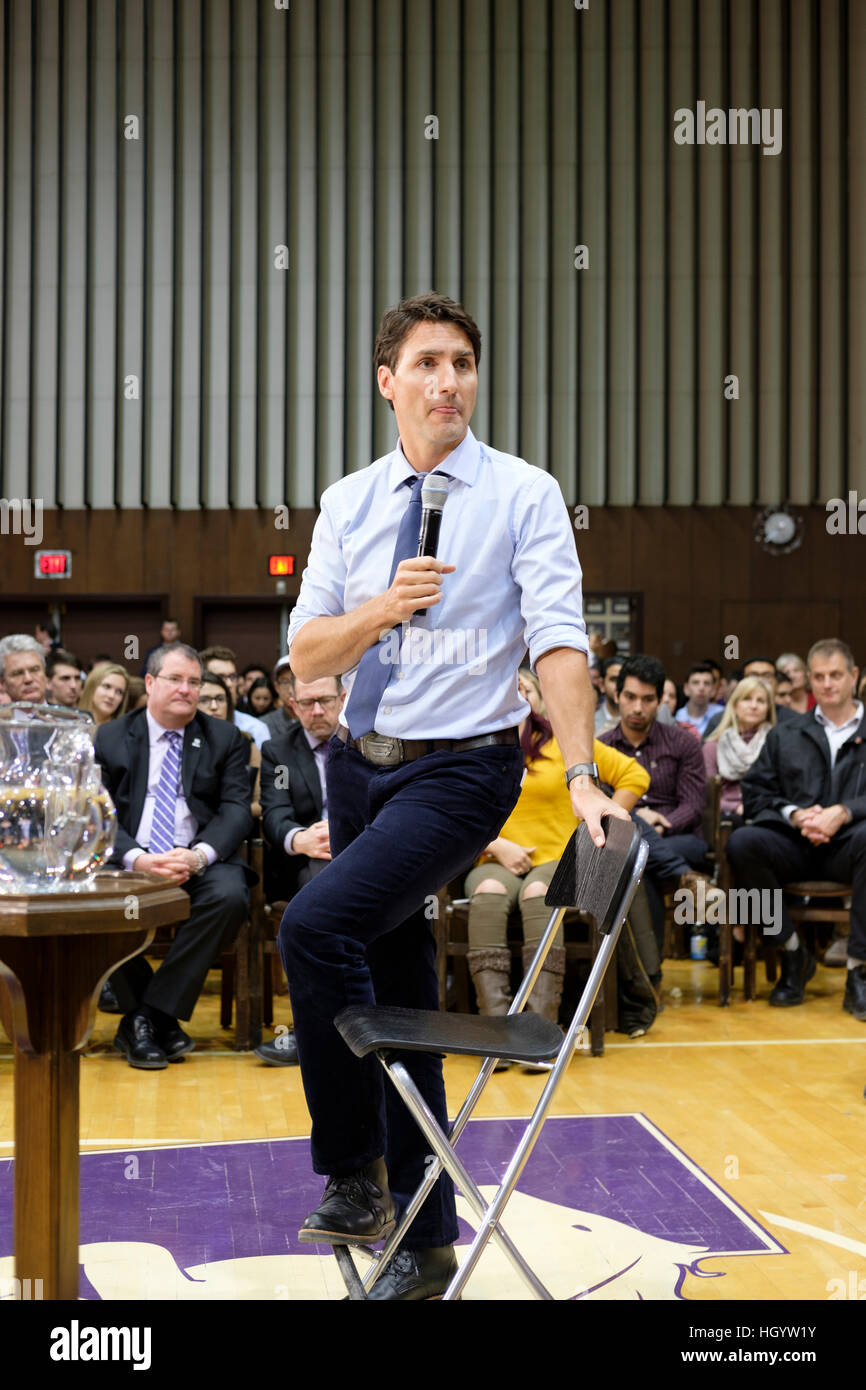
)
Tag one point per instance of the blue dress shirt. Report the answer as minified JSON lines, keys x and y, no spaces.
{"x":517,"y":585}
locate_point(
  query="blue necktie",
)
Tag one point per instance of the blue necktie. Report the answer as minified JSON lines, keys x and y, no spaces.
{"x":373,"y":673}
{"x":165,"y":804}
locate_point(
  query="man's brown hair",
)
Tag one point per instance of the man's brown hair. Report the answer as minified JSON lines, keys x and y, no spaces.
{"x":398,"y":322}
{"x":217,"y":654}
{"x":831,"y":646}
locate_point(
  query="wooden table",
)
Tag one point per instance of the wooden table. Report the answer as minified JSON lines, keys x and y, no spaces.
{"x":56,"y":951}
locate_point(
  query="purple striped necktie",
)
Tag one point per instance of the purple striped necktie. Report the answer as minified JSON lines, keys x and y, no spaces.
{"x":165,"y":804}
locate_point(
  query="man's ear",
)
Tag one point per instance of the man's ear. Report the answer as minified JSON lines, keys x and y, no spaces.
{"x":384,"y":380}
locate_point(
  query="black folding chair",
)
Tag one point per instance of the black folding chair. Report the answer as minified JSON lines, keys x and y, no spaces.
{"x":600,"y":881}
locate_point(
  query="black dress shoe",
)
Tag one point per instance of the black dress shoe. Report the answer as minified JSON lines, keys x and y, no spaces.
{"x":355,"y":1210}
{"x":108,"y":1003}
{"x":282,"y":1052}
{"x":855,"y":993}
{"x":174,"y":1042}
{"x":413,"y":1275}
{"x":137,"y":1039}
{"x":795,"y":971}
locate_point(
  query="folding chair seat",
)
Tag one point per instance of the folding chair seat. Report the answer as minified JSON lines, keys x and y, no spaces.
{"x":600,"y":881}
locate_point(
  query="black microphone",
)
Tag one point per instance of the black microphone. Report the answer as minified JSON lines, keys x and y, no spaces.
{"x":434,"y":495}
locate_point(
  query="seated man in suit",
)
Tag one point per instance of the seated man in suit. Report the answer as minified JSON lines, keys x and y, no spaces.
{"x":805,"y":801}
{"x":180,"y":784}
{"x":295,"y":807}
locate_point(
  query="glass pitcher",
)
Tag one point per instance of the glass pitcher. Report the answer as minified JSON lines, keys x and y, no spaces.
{"x":57,"y":822}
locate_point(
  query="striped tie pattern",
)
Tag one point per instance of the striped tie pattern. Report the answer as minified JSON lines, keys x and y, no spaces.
{"x":162,"y":830}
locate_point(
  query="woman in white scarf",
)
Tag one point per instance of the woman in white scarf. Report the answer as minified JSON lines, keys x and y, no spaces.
{"x":738,"y":738}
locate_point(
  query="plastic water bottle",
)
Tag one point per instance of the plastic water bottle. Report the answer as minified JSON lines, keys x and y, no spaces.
{"x":698,"y":949}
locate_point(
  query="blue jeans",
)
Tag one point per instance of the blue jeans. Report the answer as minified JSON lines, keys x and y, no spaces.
{"x":360,"y":933}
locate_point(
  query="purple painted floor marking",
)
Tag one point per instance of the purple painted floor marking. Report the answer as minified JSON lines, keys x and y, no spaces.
{"x":207,"y":1203}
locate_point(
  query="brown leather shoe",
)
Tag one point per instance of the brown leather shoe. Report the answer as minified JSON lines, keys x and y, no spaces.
{"x":355,"y":1210}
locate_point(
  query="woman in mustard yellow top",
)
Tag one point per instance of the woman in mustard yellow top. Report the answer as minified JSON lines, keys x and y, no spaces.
{"x":518,"y":865}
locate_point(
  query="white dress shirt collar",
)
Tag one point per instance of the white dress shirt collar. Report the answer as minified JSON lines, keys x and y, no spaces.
{"x":156,"y":730}
{"x":849,"y":724}
{"x":462,"y":463}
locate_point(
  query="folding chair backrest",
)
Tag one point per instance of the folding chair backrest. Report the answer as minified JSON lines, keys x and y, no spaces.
{"x":595,"y":879}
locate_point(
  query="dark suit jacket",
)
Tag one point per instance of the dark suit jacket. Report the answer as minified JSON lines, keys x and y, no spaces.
{"x":286,"y":808}
{"x":214,"y":777}
{"x":793,"y":769}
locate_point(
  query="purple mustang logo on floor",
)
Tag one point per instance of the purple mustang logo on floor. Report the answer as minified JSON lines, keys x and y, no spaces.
{"x":608,"y":1208}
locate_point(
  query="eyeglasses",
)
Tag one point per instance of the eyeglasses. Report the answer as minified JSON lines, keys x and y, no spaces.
{"x":326,"y":701}
{"x":212,"y":700}
{"x":283,"y":680}
{"x":194,"y":683}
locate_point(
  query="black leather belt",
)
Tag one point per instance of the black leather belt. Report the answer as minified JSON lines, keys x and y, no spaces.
{"x":390,"y":752}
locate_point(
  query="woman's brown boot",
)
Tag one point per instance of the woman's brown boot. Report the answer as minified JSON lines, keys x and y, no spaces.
{"x":490,"y":969}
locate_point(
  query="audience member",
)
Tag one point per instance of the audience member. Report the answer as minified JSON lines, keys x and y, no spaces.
{"x":261,"y":697}
{"x":699,"y":707}
{"x":672,"y":697}
{"x":47,"y":636}
{"x":516,"y":868}
{"x":22,"y":668}
{"x":784,"y":689}
{"x":281,"y":720}
{"x":763,"y":668}
{"x":105,"y":693}
{"x":180,"y":784}
{"x":805,"y":801}
{"x":670,"y":814}
{"x":247,"y":676}
{"x":136,"y":695}
{"x":731,"y":749}
{"x":607,"y":713}
{"x":169,"y":633}
{"x":295,"y":808}
{"x":802,"y":698}
{"x":63,"y":678}
{"x":224,"y":662}
{"x":215,"y":699}
{"x":717,"y":678}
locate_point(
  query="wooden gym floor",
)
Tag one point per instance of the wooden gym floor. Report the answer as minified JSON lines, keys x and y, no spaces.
{"x":762,"y":1108}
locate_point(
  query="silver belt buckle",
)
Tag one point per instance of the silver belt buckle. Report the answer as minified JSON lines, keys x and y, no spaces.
{"x":378,"y":748}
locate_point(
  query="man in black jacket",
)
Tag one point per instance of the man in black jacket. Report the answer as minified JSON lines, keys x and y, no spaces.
{"x":180,"y":783}
{"x":805,"y":801}
{"x":294,"y":808}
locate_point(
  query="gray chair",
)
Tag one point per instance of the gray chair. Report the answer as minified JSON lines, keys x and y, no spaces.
{"x":600,"y":881}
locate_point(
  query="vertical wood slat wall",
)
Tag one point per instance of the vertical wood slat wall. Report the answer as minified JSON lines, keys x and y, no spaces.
{"x":307,"y":127}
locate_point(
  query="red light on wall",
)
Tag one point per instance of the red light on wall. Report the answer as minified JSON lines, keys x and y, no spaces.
{"x":281,"y":564}
{"x":53,"y":564}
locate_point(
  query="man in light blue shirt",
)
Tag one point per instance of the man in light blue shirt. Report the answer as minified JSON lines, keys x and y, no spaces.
{"x":699,"y":708}
{"x":426,"y":765}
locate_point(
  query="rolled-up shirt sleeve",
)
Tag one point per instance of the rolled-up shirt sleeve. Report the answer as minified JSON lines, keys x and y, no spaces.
{"x":323,"y":583}
{"x":547,"y":570}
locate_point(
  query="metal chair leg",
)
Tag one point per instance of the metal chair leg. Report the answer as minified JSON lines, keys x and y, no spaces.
{"x":426,"y":1122}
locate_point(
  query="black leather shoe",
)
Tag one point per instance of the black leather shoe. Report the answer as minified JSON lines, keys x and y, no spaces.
{"x":855,"y":993}
{"x":795,"y":971}
{"x":108,"y":1003}
{"x":137,"y":1039}
{"x":413,"y":1275}
{"x":282,"y":1052}
{"x":355,"y":1210}
{"x":174,"y":1042}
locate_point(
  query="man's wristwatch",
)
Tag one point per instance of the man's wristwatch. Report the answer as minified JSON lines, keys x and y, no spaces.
{"x":581,"y":770}
{"x":202,"y":862}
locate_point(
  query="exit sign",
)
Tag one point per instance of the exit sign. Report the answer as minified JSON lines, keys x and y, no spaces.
{"x":281,"y":564}
{"x":53,"y":564}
